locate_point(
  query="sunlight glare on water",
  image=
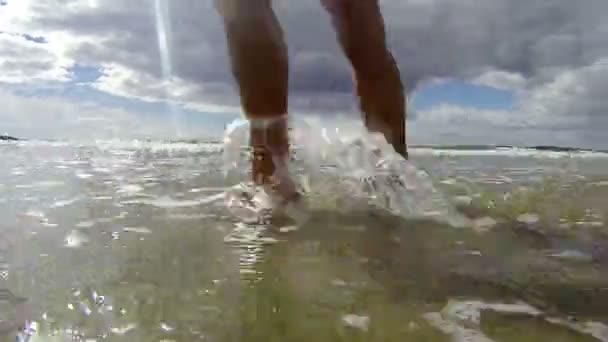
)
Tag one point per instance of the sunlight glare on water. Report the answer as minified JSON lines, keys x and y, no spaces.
{"x":144,"y":249}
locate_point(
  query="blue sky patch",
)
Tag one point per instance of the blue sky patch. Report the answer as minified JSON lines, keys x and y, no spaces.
{"x":85,"y":74}
{"x":464,"y":94}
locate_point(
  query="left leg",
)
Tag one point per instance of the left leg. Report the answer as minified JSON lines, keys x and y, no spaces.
{"x":258,"y":57}
{"x":361,"y":33}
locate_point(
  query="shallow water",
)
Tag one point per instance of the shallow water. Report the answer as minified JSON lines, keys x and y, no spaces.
{"x":132,"y":241}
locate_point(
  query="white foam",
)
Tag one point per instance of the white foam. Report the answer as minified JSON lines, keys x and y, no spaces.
{"x":49,"y":184}
{"x":64,"y":203}
{"x":127,"y":146}
{"x":461,"y":320}
{"x":356,"y":321}
{"x":85,"y":224}
{"x":130,"y":189}
{"x":484,"y":223}
{"x":83,"y":175}
{"x":137,"y":230}
{"x":595,"y":329}
{"x":572,"y":255}
{"x":189,"y":216}
{"x":528,"y":218}
{"x":35,"y":214}
{"x":288,"y":229}
{"x":102,"y":170}
{"x":164,"y":202}
{"x":209,"y":189}
{"x":459,"y":333}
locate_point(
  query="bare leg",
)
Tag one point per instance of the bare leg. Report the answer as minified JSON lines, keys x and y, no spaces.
{"x":259,"y":63}
{"x":361,"y":33}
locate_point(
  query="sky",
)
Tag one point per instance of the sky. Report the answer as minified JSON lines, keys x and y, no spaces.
{"x":517,"y":72}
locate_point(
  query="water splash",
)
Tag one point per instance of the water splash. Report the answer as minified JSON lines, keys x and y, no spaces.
{"x":340,"y":167}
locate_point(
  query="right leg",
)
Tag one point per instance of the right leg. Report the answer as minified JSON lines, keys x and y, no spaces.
{"x":361,"y":33}
{"x":259,"y":64}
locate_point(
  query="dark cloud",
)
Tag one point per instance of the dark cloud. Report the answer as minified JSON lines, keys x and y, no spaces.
{"x":434,"y":38}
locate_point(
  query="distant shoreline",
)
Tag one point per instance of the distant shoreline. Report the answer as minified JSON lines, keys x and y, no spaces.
{"x":455,"y":147}
{"x":495,"y":147}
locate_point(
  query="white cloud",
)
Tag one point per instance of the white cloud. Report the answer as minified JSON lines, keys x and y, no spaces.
{"x":25,"y":61}
{"x":574,"y":98}
{"x":52,"y":117}
{"x":501,"y":80}
{"x":570,"y":109}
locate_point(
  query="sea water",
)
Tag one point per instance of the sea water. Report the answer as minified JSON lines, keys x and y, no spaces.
{"x":135,"y":241}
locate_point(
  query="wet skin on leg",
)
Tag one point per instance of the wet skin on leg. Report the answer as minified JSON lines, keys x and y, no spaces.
{"x":259,"y":63}
{"x":361,"y":33}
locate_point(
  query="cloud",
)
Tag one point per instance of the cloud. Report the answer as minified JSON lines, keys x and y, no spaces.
{"x":54,"y":117}
{"x":24,"y":60}
{"x":547,"y":52}
{"x":434,"y":38}
{"x":501,"y":80}
{"x":570,"y":109}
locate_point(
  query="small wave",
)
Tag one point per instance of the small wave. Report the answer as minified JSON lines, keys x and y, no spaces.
{"x":211,"y":146}
{"x":462,"y":319}
{"x":158,"y":146}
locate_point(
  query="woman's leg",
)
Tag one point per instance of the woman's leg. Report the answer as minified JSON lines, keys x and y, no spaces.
{"x":259,"y":63}
{"x":360,"y":29}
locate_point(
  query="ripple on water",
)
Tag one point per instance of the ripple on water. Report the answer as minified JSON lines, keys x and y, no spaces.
{"x":83,"y":175}
{"x":356,"y":321}
{"x":190,"y":216}
{"x":572,"y":255}
{"x":85,"y":224}
{"x":130,"y":189}
{"x":163,"y":202}
{"x":65,"y":203}
{"x":462,"y":319}
{"x":528,"y":218}
{"x":137,"y":230}
{"x":35,"y":215}
{"x":49,"y":184}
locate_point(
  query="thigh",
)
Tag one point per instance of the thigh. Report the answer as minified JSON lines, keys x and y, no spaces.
{"x":360,"y":29}
{"x":241,"y":8}
{"x":352,"y":8}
